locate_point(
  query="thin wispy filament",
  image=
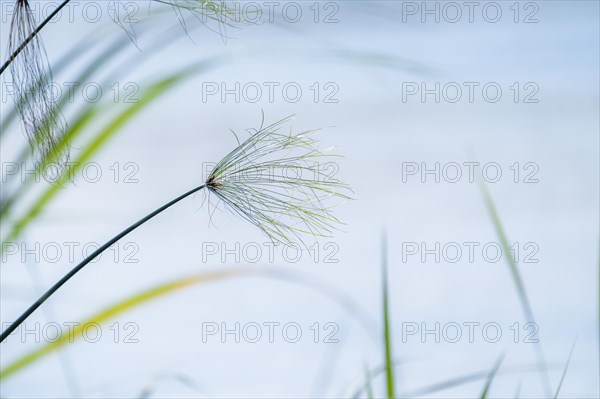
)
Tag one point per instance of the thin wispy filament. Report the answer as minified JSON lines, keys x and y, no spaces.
{"x":278,"y":181}
{"x":42,"y":121}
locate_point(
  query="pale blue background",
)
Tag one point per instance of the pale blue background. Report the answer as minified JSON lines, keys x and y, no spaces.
{"x":376,"y":132}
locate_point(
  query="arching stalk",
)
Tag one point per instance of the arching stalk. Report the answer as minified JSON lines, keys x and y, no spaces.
{"x":87,"y":260}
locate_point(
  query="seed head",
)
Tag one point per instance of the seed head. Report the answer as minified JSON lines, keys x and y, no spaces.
{"x":280,"y":182}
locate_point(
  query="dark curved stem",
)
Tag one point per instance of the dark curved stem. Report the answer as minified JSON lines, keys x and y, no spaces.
{"x":87,"y":260}
{"x":32,"y":35}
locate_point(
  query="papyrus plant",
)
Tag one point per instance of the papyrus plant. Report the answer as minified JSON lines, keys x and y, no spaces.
{"x":254,"y":182}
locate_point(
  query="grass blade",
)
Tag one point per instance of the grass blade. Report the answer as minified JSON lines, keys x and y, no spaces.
{"x":518,"y":390}
{"x":368,"y":386}
{"x":491,"y":377}
{"x":389,"y":365}
{"x":443,"y":385}
{"x":562,"y":378}
{"x":516,"y":276}
{"x":518,"y":281}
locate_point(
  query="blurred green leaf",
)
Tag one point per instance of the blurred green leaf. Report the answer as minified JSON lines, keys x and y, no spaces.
{"x":491,"y":377}
{"x":368,"y":388}
{"x":113,"y":311}
{"x":389,"y":365}
{"x":443,"y":385}
{"x":516,"y":276}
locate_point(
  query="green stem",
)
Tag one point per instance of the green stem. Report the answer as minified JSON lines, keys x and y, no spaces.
{"x":87,"y":260}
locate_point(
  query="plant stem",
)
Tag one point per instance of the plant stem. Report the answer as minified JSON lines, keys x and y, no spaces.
{"x":32,"y":36}
{"x":91,"y":257}
{"x":389,"y":363}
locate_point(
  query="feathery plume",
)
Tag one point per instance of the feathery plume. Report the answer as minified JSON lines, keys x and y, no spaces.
{"x":278,"y":181}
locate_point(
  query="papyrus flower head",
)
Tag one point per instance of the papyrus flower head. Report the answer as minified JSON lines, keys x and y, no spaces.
{"x":280,"y":182}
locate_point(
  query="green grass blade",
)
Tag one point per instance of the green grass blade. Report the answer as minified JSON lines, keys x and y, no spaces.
{"x":389,"y":365}
{"x":518,"y":281}
{"x":562,"y":377}
{"x":516,"y":276}
{"x":443,"y":385}
{"x":371,"y":375}
{"x":368,"y":386}
{"x":491,"y":377}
